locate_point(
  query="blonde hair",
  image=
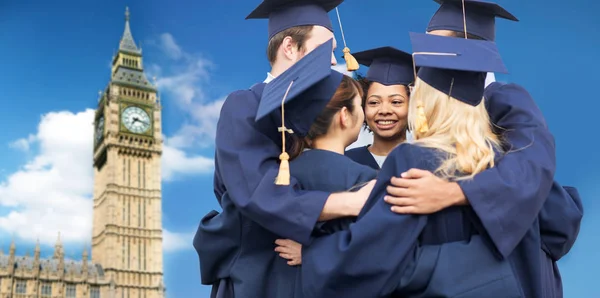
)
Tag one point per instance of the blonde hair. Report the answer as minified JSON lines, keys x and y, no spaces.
{"x":462,"y":131}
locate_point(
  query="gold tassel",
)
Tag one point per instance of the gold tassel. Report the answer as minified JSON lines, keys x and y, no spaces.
{"x":283,"y":178}
{"x":422,"y":126}
{"x":351,"y":63}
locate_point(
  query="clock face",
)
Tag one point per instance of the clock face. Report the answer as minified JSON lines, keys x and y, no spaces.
{"x":99,"y":129}
{"x":135,"y":119}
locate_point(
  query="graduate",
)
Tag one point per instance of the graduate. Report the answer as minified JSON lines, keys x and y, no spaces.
{"x":523,"y":127}
{"x":384,"y":254}
{"x":383,"y":262}
{"x":385,"y":102}
{"x":322,"y":114}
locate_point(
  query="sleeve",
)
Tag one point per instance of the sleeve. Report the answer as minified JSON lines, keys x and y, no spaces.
{"x":367,"y":259}
{"x":356,"y":175}
{"x":560,"y":221}
{"x":247,"y":160}
{"x":508,"y":197}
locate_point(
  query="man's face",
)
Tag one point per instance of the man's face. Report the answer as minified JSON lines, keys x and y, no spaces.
{"x":319,"y":36}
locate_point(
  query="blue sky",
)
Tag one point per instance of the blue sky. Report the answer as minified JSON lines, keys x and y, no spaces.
{"x":55,"y":57}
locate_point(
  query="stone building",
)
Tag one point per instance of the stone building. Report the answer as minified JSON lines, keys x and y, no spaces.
{"x":126,"y":257}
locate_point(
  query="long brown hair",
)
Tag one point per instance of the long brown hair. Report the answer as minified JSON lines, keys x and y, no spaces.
{"x":343,"y":97}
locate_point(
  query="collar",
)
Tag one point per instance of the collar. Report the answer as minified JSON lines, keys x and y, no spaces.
{"x":269,"y":78}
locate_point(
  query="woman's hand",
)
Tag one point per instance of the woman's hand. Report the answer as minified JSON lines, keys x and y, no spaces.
{"x":421,"y":192}
{"x":289,"y":250}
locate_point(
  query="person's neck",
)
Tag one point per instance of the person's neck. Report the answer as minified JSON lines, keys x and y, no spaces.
{"x":278,"y":68}
{"x":329,"y":143}
{"x":383,"y":147}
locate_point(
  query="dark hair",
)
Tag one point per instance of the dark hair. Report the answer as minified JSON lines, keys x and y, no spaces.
{"x":299,"y":35}
{"x":365,"y":85}
{"x":343,"y":98}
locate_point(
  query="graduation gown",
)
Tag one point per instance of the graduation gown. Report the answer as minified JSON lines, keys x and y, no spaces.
{"x":316,"y":170}
{"x":231,"y":244}
{"x":509,"y":197}
{"x":362,"y":156}
{"x":384,"y":254}
{"x":560,"y":217}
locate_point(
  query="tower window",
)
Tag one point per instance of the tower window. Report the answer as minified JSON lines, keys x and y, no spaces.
{"x":145,"y":257}
{"x":71,"y":291}
{"x":46,"y":289}
{"x":94,"y":292}
{"x":140,"y":255}
{"x":128,"y":254}
{"x":128,"y":172}
{"x":123,"y":171}
{"x":21,"y":287}
{"x":139,"y":213}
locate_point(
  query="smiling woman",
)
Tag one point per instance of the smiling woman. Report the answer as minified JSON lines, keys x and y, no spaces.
{"x":385,"y":102}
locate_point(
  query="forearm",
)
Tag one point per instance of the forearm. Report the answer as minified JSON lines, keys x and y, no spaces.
{"x":337,"y":206}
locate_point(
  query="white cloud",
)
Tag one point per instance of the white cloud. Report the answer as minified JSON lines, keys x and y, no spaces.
{"x":22,"y":144}
{"x":176,"y":241}
{"x":175,"y":161}
{"x":52,"y":192}
{"x":169,"y":46}
{"x":184,"y":81}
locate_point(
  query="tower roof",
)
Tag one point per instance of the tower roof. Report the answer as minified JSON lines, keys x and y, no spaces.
{"x":127,"y":43}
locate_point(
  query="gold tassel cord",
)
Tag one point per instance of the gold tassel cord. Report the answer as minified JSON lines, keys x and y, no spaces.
{"x":351,"y":63}
{"x":464,"y":18}
{"x":283,"y":177}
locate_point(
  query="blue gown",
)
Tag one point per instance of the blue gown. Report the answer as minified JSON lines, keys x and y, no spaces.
{"x":384,"y":254}
{"x":527,"y":171}
{"x":362,"y":156}
{"x":231,"y":244}
{"x":325,"y":171}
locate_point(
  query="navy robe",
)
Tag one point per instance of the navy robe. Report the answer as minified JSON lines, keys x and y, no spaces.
{"x":362,"y":156}
{"x":325,"y":171}
{"x":560,"y":217}
{"x":384,"y":254}
{"x":509,"y":197}
{"x":256,"y":212}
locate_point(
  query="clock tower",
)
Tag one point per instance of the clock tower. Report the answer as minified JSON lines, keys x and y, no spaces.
{"x":127,"y":226}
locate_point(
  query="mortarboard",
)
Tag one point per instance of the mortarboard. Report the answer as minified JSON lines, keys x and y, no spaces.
{"x":456,"y":66}
{"x":387,"y":66}
{"x":285,"y":14}
{"x":304,"y":90}
{"x":480,"y":17}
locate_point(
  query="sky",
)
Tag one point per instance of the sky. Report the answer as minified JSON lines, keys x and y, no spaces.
{"x":55,"y":57}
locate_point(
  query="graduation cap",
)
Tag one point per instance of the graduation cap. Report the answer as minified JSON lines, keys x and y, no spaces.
{"x":454,"y":66}
{"x":285,"y":14}
{"x":473,"y":16}
{"x":387,"y":66}
{"x":304,"y":89}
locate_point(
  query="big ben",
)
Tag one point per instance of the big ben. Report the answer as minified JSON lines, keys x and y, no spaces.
{"x":127,"y":227}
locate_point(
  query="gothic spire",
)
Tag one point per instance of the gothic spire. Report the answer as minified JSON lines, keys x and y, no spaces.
{"x":127,"y":44}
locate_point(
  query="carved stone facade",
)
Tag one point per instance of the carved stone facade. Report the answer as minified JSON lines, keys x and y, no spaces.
{"x":26,"y":276}
{"x":126,"y":259}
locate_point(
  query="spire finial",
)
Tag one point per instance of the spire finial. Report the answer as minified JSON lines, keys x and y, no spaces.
{"x":127,"y":13}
